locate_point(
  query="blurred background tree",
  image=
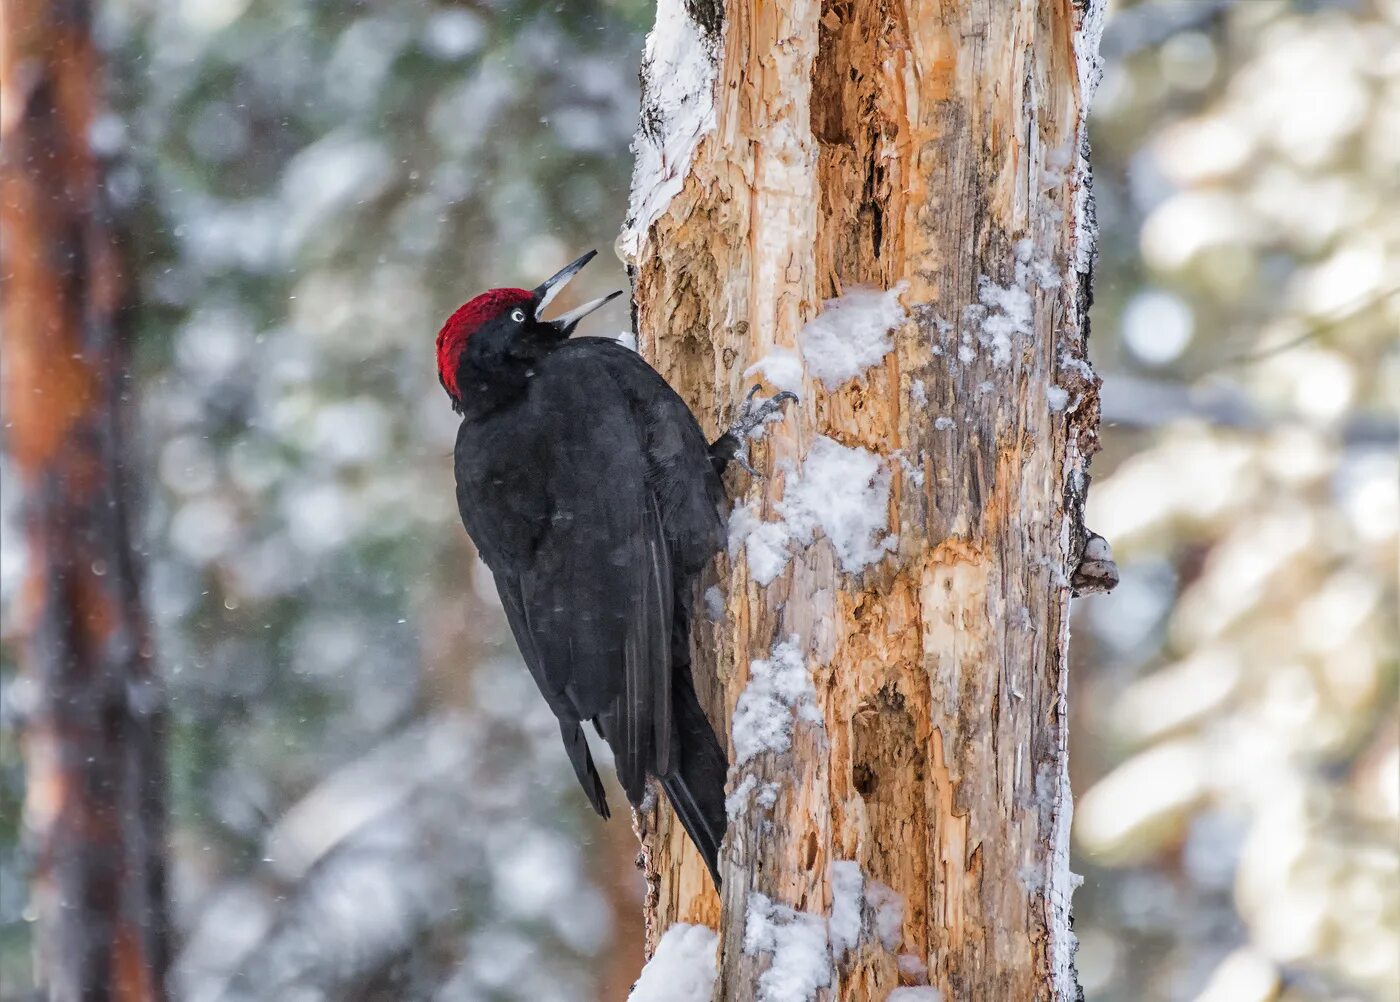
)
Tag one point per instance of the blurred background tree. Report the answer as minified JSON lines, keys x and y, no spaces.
{"x":91,"y":693}
{"x":1235,"y":720}
{"x":368,"y":798}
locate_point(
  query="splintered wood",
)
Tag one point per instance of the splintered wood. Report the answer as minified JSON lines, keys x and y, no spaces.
{"x":934,"y":148}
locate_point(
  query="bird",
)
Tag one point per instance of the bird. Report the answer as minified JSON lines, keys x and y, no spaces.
{"x":593,"y":497}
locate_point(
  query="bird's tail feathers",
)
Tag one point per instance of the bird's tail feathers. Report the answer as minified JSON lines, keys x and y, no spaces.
{"x":696,"y":787}
{"x":697,"y":821}
{"x":576,"y":745}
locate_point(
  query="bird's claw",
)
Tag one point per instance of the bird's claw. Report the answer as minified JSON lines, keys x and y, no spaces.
{"x":742,"y":458}
{"x":752,"y":417}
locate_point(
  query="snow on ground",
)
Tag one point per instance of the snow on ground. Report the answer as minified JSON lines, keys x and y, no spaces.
{"x":851,"y":334}
{"x":844,"y":492}
{"x":797,"y":942}
{"x":682,"y":969}
{"x":779,"y":691}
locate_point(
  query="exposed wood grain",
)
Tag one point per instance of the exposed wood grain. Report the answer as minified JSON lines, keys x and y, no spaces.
{"x":93,"y":742}
{"x":938,"y":144}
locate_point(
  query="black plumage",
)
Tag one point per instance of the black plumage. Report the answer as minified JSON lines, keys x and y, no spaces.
{"x":592,"y":495}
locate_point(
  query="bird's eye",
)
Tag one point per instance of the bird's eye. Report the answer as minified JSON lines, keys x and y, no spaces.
{"x":518,"y":316}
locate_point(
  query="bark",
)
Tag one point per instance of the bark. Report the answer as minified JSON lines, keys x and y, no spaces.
{"x":93,"y":744}
{"x":790,"y":153}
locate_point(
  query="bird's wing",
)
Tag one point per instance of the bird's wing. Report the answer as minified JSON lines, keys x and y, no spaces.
{"x":688,"y":493}
{"x":600,"y":616}
{"x":575,"y":744}
{"x":585,"y":576}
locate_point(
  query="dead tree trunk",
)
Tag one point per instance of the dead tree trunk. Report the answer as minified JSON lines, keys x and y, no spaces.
{"x":94,"y":807}
{"x":884,"y":206}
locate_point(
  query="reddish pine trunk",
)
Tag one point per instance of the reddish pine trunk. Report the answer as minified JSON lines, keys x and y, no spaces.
{"x":93,"y":736}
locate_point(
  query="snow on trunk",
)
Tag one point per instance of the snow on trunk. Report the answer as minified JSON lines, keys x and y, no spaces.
{"x":891,"y":217}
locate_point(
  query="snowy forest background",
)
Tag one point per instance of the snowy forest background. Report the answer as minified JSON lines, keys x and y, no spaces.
{"x":369,"y":800}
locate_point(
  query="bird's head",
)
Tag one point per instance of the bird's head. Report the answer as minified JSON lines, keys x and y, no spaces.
{"x":497,"y":336}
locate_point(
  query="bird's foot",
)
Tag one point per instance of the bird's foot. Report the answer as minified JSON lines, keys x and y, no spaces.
{"x":742,"y":458}
{"x":753,"y":416}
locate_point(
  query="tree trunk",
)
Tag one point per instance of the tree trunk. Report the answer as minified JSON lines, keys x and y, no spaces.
{"x":892,"y":621}
{"x":94,"y":807}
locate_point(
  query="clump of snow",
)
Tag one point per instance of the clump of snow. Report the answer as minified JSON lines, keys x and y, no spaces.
{"x":923,"y":993}
{"x":682,"y":969}
{"x":1005,"y":314}
{"x":678,"y":112}
{"x":735,"y":803}
{"x":888,"y":907}
{"x":782,"y":367}
{"x":1040,"y":267}
{"x":851,"y":333}
{"x":766,"y":543}
{"x":1044,"y":273}
{"x":844,"y":492}
{"x":1010,"y":312}
{"x":912,"y":966}
{"x":1058,"y":398}
{"x":779,"y":691}
{"x":918,"y":393}
{"x":942,"y":423}
{"x":913,"y":472}
{"x":797,"y":943}
{"x":1081,"y":368}
{"x":714,"y":603}
{"x":847,"y":890}
{"x":856,"y":901}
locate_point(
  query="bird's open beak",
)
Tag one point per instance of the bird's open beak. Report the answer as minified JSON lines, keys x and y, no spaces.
{"x":546,"y":292}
